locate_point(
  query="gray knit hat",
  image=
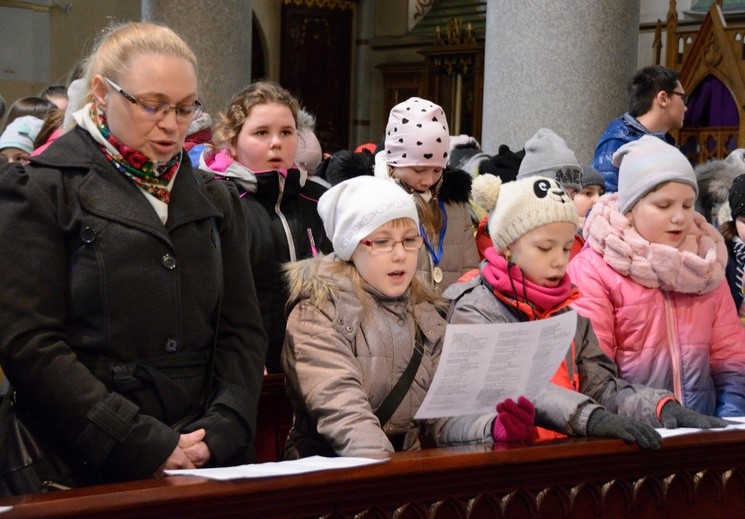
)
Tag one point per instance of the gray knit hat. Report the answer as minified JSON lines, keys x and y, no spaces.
{"x":592,"y":177}
{"x":644,"y":164}
{"x":547,"y":155}
{"x":518,"y":207}
{"x":356,"y":207}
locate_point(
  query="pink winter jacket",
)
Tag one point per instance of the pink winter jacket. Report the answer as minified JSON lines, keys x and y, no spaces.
{"x":663,"y":314}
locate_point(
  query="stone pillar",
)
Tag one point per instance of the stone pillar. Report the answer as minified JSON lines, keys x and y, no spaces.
{"x":361,"y":91}
{"x":219,"y":33}
{"x":559,"y":65}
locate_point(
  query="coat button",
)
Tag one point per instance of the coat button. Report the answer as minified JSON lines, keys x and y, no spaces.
{"x":171,"y":345}
{"x":88,"y":235}
{"x":168,"y":262}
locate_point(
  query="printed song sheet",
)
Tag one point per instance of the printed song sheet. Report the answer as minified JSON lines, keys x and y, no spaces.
{"x":279,"y":468}
{"x":482,"y":364}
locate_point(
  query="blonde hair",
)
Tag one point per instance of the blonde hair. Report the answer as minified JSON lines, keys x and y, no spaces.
{"x":728,"y":230}
{"x":231,"y":120}
{"x":117,"y":45}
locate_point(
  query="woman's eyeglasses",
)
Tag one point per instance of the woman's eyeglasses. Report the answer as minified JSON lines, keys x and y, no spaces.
{"x":410,"y":244}
{"x":157,"y":110}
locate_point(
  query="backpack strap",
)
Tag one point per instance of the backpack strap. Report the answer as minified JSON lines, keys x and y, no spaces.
{"x":393,"y":400}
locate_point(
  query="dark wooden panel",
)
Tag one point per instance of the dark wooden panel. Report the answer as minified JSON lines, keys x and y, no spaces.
{"x":274,"y":419}
{"x":316,"y":64}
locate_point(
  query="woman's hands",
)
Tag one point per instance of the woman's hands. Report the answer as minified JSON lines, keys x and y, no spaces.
{"x":191,"y":452}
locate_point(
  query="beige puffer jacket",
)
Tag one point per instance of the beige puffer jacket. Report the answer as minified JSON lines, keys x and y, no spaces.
{"x":344,"y":351}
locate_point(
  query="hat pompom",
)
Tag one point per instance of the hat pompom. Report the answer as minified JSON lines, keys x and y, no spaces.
{"x":485,"y":191}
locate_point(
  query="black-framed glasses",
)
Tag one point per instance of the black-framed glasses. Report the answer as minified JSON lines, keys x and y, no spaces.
{"x":411,"y":244}
{"x":157,"y":110}
{"x":683,"y":96}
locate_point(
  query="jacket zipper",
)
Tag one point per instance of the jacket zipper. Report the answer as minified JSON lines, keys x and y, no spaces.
{"x":285,"y":225}
{"x":672,"y":340}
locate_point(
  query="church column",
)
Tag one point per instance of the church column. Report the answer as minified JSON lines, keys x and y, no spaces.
{"x":365,"y":23}
{"x":219,"y":33}
{"x":560,"y":65}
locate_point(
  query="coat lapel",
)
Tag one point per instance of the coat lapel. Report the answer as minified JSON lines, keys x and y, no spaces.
{"x":107,"y":193}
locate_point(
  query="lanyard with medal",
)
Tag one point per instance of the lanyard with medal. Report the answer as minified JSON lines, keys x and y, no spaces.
{"x":436,"y":256}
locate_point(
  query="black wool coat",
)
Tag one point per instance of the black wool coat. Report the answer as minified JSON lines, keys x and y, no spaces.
{"x":108,"y":315}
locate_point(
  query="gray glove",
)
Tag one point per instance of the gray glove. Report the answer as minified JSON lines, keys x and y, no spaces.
{"x":609,"y":425}
{"x":674,"y":415}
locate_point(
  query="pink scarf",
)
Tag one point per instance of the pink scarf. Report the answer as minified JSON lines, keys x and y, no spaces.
{"x":508,"y":280}
{"x":696,"y":267}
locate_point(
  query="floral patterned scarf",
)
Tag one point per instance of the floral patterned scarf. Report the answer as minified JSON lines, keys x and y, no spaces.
{"x":151,"y":176}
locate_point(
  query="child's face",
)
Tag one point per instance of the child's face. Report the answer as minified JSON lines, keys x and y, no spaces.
{"x":585,"y":199}
{"x":268,"y":138}
{"x":740,"y":226}
{"x":418,"y":178}
{"x":390,"y":272}
{"x":543,"y":253}
{"x":664,"y":216}
{"x":15,"y":155}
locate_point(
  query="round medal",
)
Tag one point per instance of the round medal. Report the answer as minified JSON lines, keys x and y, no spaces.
{"x":437,"y":275}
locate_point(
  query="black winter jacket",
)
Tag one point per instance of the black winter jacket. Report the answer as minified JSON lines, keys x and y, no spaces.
{"x":280,"y":214}
{"x":91,"y":281}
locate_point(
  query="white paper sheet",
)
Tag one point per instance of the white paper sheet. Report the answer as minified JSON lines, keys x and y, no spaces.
{"x":482,"y":364}
{"x":280,"y":468}
{"x":736,"y":422}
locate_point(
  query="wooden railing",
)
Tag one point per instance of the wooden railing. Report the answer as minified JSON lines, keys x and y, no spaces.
{"x":700,"y":475}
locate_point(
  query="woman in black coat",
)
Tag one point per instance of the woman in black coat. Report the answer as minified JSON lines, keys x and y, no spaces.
{"x":130,"y":329}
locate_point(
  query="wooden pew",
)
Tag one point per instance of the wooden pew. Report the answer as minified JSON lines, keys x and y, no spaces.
{"x":700,"y":475}
{"x":273,"y":419}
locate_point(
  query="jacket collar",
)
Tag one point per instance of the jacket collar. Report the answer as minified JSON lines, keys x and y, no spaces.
{"x":109,"y":194}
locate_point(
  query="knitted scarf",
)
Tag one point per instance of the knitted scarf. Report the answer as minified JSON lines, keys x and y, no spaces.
{"x":508,"y":280}
{"x":695,"y":267}
{"x":153,"y":177}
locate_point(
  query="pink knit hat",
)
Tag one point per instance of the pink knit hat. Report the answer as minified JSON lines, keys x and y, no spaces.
{"x":417,"y":135}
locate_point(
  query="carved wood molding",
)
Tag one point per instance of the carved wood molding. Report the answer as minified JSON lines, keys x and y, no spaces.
{"x":323,"y":4}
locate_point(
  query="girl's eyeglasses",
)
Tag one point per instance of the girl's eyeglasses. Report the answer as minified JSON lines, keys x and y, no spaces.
{"x":411,"y":244}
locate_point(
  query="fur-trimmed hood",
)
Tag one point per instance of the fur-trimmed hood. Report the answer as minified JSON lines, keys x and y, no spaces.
{"x":326,"y":278}
{"x":714,"y":181}
{"x":317,"y":279}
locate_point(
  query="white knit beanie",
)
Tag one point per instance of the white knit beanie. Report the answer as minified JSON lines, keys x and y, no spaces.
{"x":518,"y":207}
{"x":417,"y":135}
{"x":356,"y":207}
{"x":644,"y":164}
{"x":547,"y":155}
